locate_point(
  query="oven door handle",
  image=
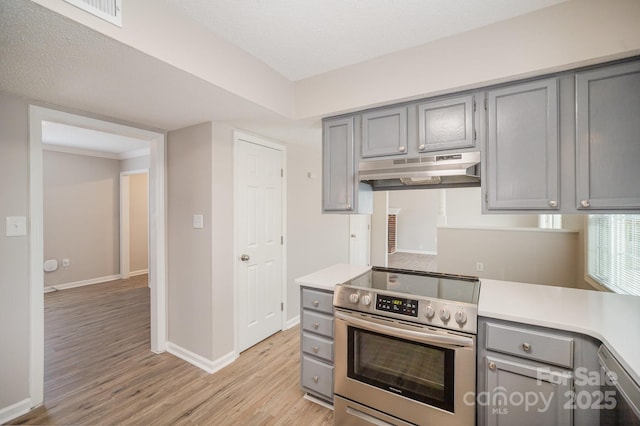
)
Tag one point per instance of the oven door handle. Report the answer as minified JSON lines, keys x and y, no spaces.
{"x":420,"y":336}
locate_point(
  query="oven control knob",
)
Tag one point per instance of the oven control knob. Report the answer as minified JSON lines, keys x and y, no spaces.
{"x":353,"y":298}
{"x":444,"y":314}
{"x":461,"y":317}
{"x":429,"y":312}
{"x":366,"y":300}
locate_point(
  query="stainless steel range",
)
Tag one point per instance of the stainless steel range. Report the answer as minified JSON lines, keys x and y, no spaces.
{"x":405,"y":348}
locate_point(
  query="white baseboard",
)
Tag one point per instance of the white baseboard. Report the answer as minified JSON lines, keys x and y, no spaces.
{"x":14,"y":411}
{"x":83,"y":283}
{"x":199,"y":361}
{"x":292,"y":322}
{"x":49,"y":289}
{"x":140,"y":272}
{"x":430,"y":253}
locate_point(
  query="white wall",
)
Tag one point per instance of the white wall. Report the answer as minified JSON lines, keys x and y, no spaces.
{"x":524,"y":255}
{"x":135,"y":163}
{"x":315,"y":240}
{"x":570,"y":34}
{"x":160,"y":30}
{"x":224,"y":259}
{"x":139,"y":222}
{"x":464,"y":208}
{"x":422,"y":211}
{"x":81,"y":217}
{"x":189,"y":177}
{"x":14,"y":256}
{"x":379,"y":228}
{"x":417,"y":219}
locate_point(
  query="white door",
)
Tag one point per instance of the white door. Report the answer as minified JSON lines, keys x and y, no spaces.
{"x":258,"y":242}
{"x":359,"y":239}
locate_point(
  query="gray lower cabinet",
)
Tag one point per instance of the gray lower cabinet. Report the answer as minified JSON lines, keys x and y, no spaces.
{"x":608,"y":137}
{"x":530,"y":375}
{"x":316,"y":343}
{"x":384,"y":132}
{"x":446,"y":124}
{"x":522,"y":147}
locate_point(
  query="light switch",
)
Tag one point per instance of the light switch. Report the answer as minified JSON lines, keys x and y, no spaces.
{"x":16,"y":226}
{"x":198,"y":221}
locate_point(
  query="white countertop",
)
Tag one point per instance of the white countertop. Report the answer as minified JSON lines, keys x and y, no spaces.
{"x":326,"y":279}
{"x":612,"y":318}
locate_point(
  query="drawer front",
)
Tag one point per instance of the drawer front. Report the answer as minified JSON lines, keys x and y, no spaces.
{"x":317,"y":346}
{"x":317,"y":376}
{"x":530,"y":344}
{"x":317,"y":300}
{"x":317,"y":323}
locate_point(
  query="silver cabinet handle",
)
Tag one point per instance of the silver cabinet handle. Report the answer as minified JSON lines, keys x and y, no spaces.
{"x":492,"y":365}
{"x":244,"y":257}
{"x":315,"y":349}
{"x":402,"y":149}
{"x":421,"y":147}
{"x":526,"y":347}
{"x":316,"y":303}
{"x":349,"y":207}
{"x":316,"y":325}
{"x":315,"y":379}
{"x":553,"y":203}
{"x":585,"y":203}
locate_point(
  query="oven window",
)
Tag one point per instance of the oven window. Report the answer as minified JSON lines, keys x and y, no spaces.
{"x":414,"y":370}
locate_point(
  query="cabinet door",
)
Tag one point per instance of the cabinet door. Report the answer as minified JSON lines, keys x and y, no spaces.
{"x":608,"y":138}
{"x":384,"y":132}
{"x":522,"y":394}
{"x":446,"y":124}
{"x":522,"y":147}
{"x":339,"y":178}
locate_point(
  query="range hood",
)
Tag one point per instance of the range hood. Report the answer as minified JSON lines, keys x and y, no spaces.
{"x":439,"y":171}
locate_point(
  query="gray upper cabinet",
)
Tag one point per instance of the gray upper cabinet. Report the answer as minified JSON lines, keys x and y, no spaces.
{"x":522,"y":151}
{"x":384,"y":132}
{"x":339,"y":177}
{"x":446,"y":124}
{"x":608,"y":138}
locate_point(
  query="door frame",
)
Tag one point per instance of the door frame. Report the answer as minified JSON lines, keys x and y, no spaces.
{"x":238,"y":138}
{"x":125,"y":211}
{"x":157,"y":235}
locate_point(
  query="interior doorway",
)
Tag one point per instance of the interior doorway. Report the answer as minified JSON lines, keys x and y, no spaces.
{"x":157,"y":234}
{"x":134,"y":223}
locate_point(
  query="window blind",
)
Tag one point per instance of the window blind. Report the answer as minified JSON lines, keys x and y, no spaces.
{"x":613,"y":252}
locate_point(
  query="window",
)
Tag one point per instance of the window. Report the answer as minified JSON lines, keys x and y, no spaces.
{"x":613,"y":252}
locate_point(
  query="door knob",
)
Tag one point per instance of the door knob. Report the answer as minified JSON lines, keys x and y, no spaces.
{"x":244,"y":257}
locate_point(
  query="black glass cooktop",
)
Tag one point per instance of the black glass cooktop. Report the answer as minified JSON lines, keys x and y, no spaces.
{"x":458,"y":288}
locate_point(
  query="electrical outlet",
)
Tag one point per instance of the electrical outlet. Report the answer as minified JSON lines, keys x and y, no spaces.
{"x":65,"y":263}
{"x":479,"y":266}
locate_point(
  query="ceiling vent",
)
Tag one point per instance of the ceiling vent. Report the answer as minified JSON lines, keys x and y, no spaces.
{"x":109,"y":10}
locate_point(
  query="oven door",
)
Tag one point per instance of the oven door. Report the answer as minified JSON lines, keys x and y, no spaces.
{"x":415,"y":373}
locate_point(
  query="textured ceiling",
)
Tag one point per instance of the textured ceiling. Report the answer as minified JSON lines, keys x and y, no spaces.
{"x":48,"y":57}
{"x":303,"y":38}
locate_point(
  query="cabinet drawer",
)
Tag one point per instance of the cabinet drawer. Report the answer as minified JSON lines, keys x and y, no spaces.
{"x":317,"y":376}
{"x":530,"y":344}
{"x":318,"y":346}
{"x":317,"y":323}
{"x":317,"y":300}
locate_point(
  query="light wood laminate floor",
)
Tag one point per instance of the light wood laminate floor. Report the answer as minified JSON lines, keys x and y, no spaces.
{"x":99,"y":370}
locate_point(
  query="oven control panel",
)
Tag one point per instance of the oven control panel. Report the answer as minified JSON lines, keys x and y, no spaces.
{"x":397,"y":305}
